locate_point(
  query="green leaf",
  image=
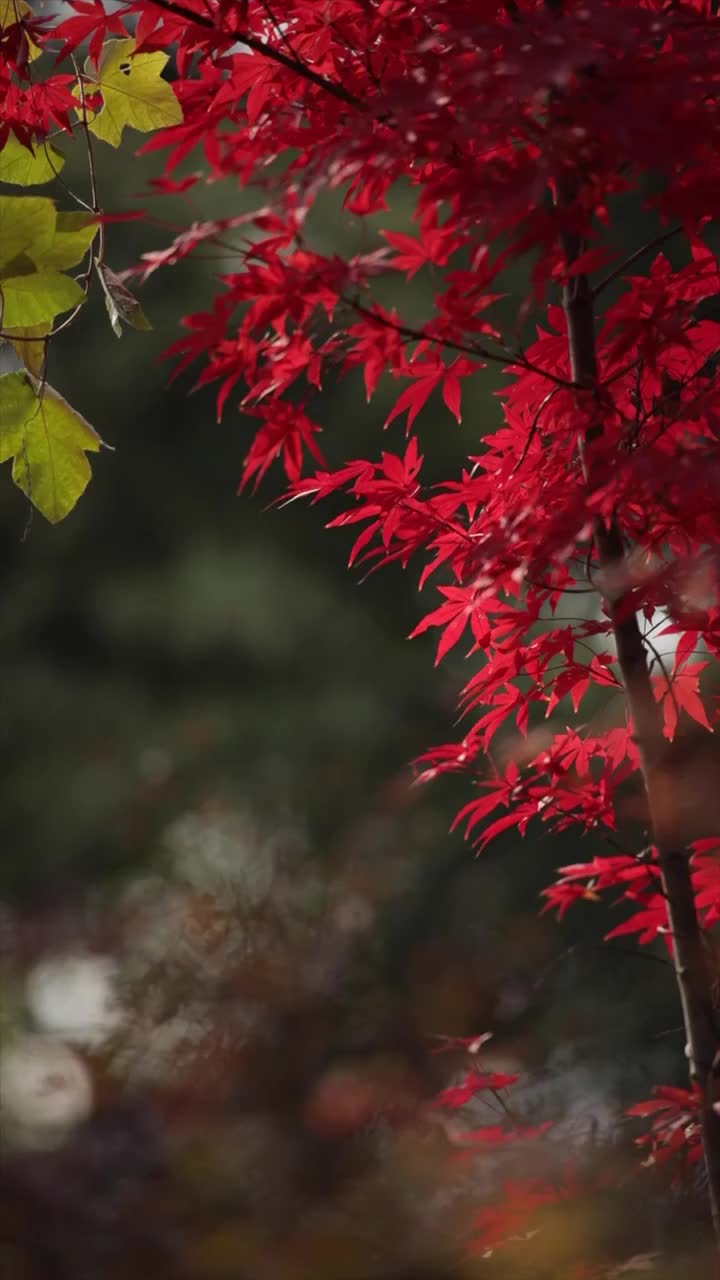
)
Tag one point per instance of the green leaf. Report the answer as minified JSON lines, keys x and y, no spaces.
{"x":27,"y":225}
{"x":133,"y":92}
{"x":29,"y":168}
{"x":32,"y":229}
{"x":32,"y":353}
{"x":122,"y":305}
{"x":11,"y":11}
{"x":35,"y":243}
{"x":37,"y":298}
{"x":74,"y":233}
{"x":48,"y":441}
{"x":17,"y":403}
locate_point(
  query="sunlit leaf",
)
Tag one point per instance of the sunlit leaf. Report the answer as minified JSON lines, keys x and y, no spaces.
{"x":27,"y":223}
{"x":27,"y":347}
{"x":17,"y":403}
{"x":48,"y":441}
{"x":74,"y":233}
{"x":11,"y":11}
{"x":28,"y":168}
{"x":133,"y":92}
{"x":37,"y":297}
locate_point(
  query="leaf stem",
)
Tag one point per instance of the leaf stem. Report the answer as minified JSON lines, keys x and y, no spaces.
{"x":634,"y":257}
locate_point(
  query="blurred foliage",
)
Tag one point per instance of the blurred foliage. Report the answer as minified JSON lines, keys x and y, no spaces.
{"x":206,"y":730}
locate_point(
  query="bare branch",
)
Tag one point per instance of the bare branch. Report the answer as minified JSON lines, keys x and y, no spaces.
{"x":634,"y":257}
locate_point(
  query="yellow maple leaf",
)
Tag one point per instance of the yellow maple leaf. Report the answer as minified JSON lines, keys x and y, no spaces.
{"x":133,"y":92}
{"x":48,"y":441}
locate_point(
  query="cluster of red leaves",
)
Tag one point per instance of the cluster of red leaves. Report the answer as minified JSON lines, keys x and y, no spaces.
{"x":32,"y":107}
{"x":512,"y":1218}
{"x":497,"y":1222}
{"x":638,"y":880}
{"x":673,"y":1139}
{"x":485,"y":111}
{"x":675,"y":1133}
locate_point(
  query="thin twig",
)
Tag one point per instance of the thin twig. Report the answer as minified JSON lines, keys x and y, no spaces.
{"x":479,"y":352}
{"x":533,"y":428}
{"x":92,"y":172}
{"x":268,"y":51}
{"x":660,"y":661}
{"x":628,"y":262}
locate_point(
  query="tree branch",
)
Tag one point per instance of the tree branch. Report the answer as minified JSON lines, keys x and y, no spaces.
{"x":628,"y":262}
{"x":267,"y":51}
{"x":477,"y":350}
{"x":691,"y":971}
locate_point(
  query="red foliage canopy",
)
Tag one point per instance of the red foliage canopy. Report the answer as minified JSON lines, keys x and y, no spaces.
{"x":516,"y":126}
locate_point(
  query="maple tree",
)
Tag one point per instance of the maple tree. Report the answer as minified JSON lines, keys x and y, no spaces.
{"x":518,"y":127}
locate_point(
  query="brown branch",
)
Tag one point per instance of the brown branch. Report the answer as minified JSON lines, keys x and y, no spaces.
{"x":480,"y":352}
{"x":533,"y":428}
{"x":267,"y":51}
{"x":634,"y":257}
{"x":691,"y":971}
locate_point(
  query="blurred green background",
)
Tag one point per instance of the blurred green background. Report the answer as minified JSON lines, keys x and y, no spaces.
{"x":206,"y":730}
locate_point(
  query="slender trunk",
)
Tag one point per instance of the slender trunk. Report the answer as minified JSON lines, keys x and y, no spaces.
{"x":691,"y":970}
